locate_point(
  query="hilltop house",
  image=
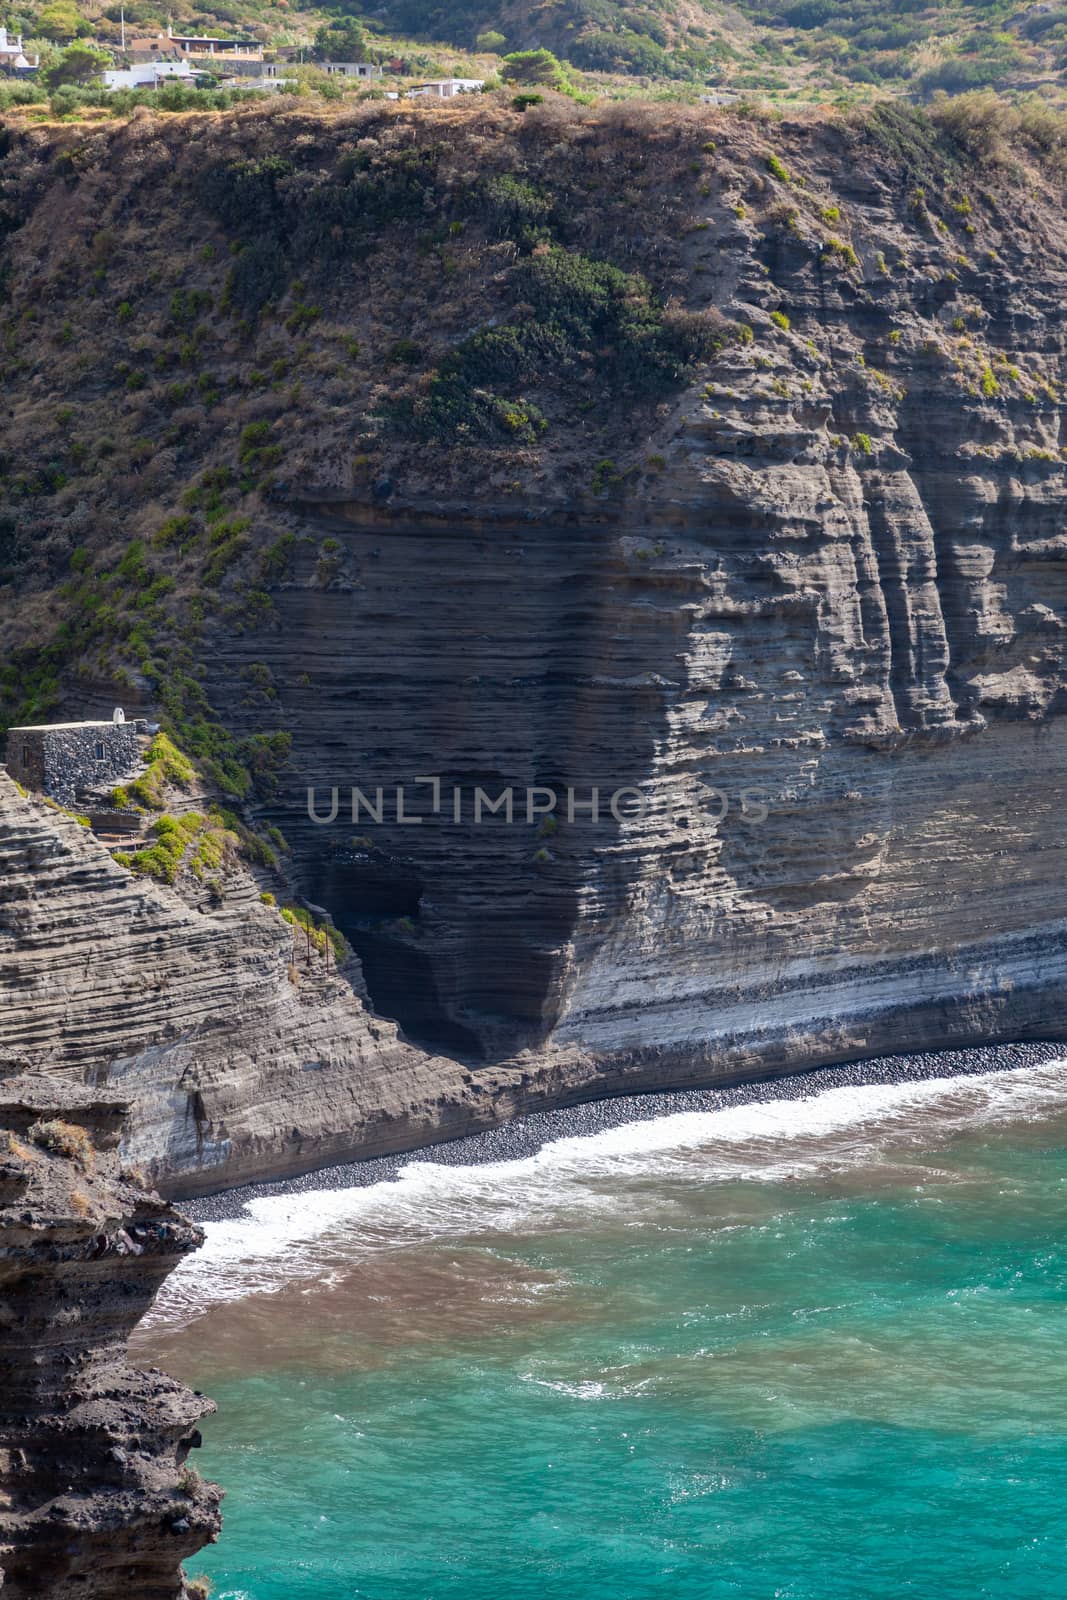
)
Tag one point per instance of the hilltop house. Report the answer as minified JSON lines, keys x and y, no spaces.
{"x":205,"y":44}
{"x":149,"y":75}
{"x":233,"y":58}
{"x":445,"y":88}
{"x":144,"y":51}
{"x":238,"y":58}
{"x":350,"y":69}
{"x":12,"y":56}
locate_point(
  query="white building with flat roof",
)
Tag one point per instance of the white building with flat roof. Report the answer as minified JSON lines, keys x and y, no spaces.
{"x":445,"y":88}
{"x":350,"y":69}
{"x":12,"y":55}
{"x":149,"y":75}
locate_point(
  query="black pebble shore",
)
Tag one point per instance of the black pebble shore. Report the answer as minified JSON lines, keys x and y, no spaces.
{"x":524,"y":1136}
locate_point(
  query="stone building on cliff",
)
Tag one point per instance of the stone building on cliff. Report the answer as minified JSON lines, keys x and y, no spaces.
{"x":68,"y":761}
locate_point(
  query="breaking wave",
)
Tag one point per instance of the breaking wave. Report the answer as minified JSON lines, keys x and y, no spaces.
{"x":616,"y":1174}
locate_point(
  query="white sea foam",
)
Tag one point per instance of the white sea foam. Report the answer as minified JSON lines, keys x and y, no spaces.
{"x":572,"y":1180}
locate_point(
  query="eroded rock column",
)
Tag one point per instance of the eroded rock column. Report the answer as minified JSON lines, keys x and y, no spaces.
{"x":98,"y":1498}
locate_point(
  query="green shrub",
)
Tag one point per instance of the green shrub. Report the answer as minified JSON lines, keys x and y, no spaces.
{"x":301,"y":317}
{"x":407,"y":351}
{"x":778,"y":169}
{"x":252,"y":453}
{"x":167,"y":768}
{"x":581,"y":314}
{"x":539,"y":67}
{"x":163,"y":859}
{"x":226,"y":555}
{"x":834,"y":246}
{"x":174,"y":530}
{"x":514,"y":208}
{"x":276,"y":560}
{"x":780,"y":320}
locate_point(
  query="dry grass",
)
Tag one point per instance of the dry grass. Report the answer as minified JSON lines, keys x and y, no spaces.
{"x":64,"y":1139}
{"x":16,"y":1148}
{"x":997,"y":132}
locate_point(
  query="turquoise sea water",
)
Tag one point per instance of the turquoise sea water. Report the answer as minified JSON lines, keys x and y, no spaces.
{"x":815,"y":1352}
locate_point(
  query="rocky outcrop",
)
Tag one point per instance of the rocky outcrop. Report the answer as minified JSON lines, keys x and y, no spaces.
{"x":240,"y":1053}
{"x":97,"y":1496}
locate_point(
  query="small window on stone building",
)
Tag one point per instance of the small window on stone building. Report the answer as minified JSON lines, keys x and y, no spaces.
{"x":27,"y":755}
{"x":99,"y":750}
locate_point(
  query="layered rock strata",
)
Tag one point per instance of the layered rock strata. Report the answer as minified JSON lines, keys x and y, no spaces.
{"x":239,"y":1057}
{"x":827,"y":571}
{"x":97,"y":1496}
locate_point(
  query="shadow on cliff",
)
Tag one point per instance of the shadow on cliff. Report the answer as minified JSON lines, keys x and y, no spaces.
{"x":487,"y":656}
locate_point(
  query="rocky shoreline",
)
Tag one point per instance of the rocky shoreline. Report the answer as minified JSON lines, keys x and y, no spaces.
{"x":525,"y":1135}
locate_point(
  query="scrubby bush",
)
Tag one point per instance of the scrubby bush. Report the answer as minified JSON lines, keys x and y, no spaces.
{"x":991,"y":129}
{"x":63,"y":1139}
{"x":276,"y":560}
{"x":315,"y":932}
{"x":18,"y":94}
{"x":577,"y":310}
{"x":623,"y":50}
{"x":166,"y":767}
{"x":163,"y":858}
{"x":515,"y":209}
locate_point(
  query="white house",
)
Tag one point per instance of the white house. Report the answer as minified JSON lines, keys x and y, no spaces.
{"x":149,"y":75}
{"x":12,"y":55}
{"x":271,"y":82}
{"x":445,"y":88}
{"x":350,"y":69}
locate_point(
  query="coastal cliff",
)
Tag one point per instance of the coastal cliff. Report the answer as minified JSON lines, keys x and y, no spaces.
{"x":98,"y":1496}
{"x":728,"y":462}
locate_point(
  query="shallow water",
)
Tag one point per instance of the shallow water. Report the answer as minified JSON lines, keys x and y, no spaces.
{"x":810,"y":1349}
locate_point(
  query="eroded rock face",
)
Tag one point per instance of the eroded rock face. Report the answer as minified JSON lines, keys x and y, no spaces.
{"x":829,"y":566}
{"x":833,"y":571}
{"x":902,"y":889}
{"x":97,"y":1497}
{"x":238,"y":1059}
